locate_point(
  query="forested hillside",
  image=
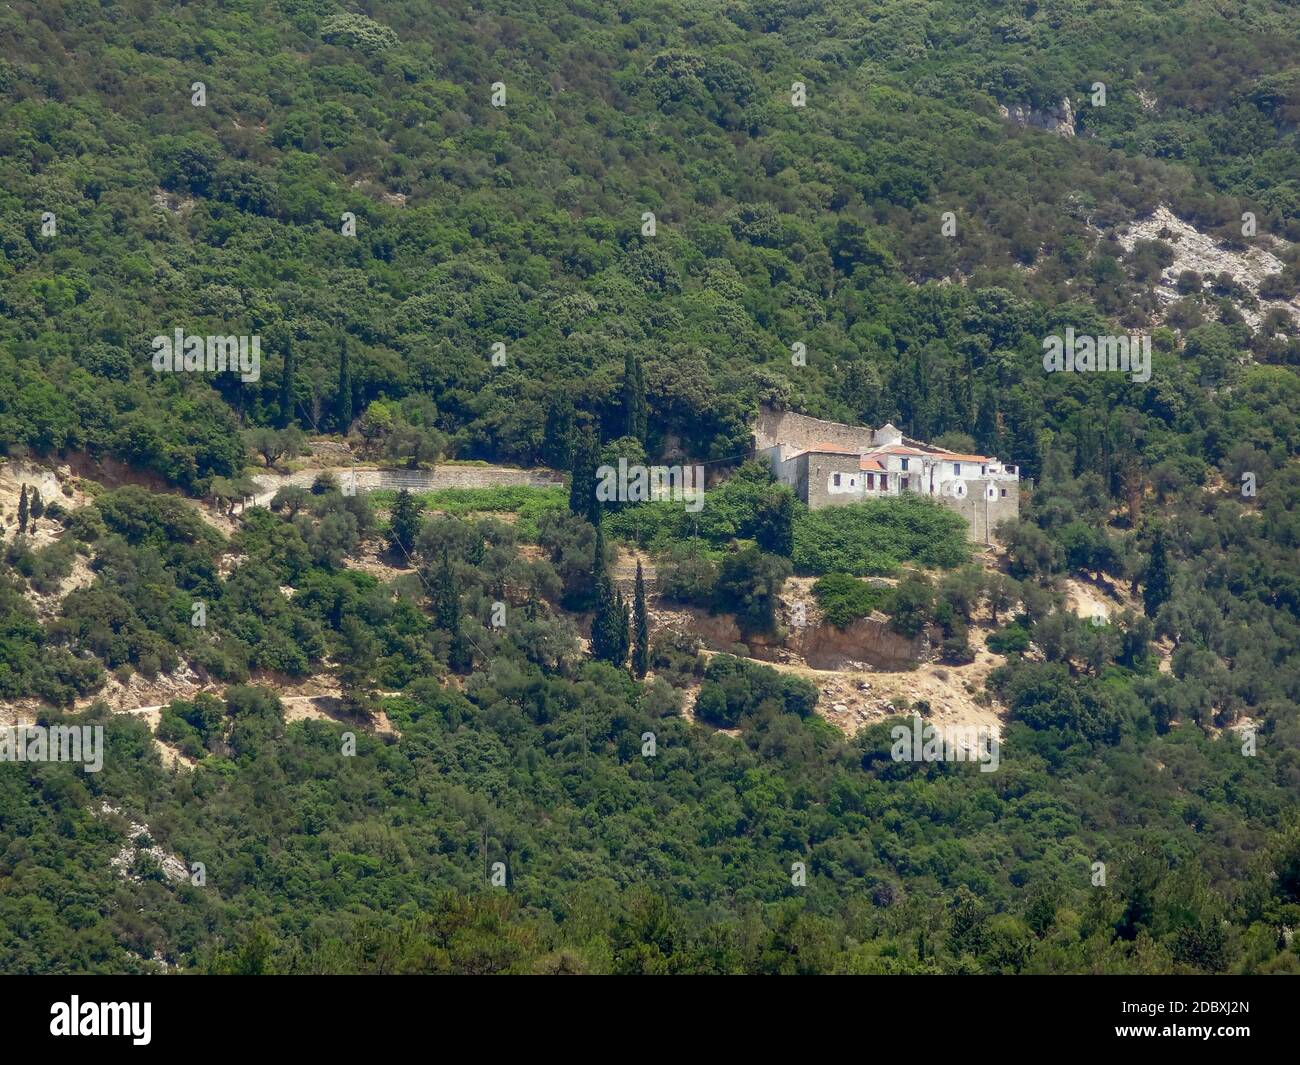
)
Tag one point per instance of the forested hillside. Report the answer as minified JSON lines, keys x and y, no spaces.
{"x":546,"y":234}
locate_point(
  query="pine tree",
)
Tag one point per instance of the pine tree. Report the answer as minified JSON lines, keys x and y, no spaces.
{"x":405,"y":522}
{"x":344,"y":401}
{"x":641,"y":625}
{"x":1156,"y":584}
{"x":582,"y":486}
{"x":22,"y":510}
{"x":287,"y":385}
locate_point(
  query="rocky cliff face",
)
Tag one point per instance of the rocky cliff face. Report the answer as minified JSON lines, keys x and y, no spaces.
{"x":1059,"y":120}
{"x":868,"y":641}
{"x":867,"y":644}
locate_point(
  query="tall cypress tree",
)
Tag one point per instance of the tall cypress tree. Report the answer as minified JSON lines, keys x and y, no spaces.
{"x":447,"y":616}
{"x":629,"y":393}
{"x":1157,"y":584}
{"x":404,"y":522}
{"x":1020,"y":444}
{"x":582,"y":487}
{"x":641,"y":625}
{"x":287,"y":384}
{"x":634,"y":405}
{"x":608,"y":623}
{"x":986,"y":423}
{"x":643,"y":408}
{"x":37,"y":506}
{"x":22,"y":510}
{"x":557,"y":440}
{"x":623,"y":631}
{"x":344,"y":401}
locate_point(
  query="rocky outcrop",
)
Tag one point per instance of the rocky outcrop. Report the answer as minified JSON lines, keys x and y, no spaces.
{"x":1207,"y":256}
{"x":1059,"y":120}
{"x":868,"y":641}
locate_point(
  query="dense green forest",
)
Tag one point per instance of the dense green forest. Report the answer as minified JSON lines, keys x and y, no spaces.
{"x":554,"y":235}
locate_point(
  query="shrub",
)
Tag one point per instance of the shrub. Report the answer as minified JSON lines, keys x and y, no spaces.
{"x":845,"y":599}
{"x":872,"y":538}
{"x":734,"y":688}
{"x":1012,"y":639}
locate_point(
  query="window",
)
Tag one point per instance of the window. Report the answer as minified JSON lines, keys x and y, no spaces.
{"x":871,"y":481}
{"x":984,"y":471}
{"x":902,"y":484}
{"x":904,"y":466}
{"x":1004,"y":493}
{"x":956,"y":468}
{"x":836,"y":480}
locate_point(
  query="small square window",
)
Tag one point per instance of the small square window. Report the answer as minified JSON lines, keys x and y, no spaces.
{"x":1004,"y":493}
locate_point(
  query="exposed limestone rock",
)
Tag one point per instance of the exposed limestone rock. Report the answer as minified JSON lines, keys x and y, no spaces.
{"x":1194,"y":250}
{"x":173,"y":868}
{"x":1059,"y":120}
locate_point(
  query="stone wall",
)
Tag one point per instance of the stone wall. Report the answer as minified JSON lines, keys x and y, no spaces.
{"x":370,"y":479}
{"x":800,"y":432}
{"x":819,"y":469}
{"x":983,"y":514}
